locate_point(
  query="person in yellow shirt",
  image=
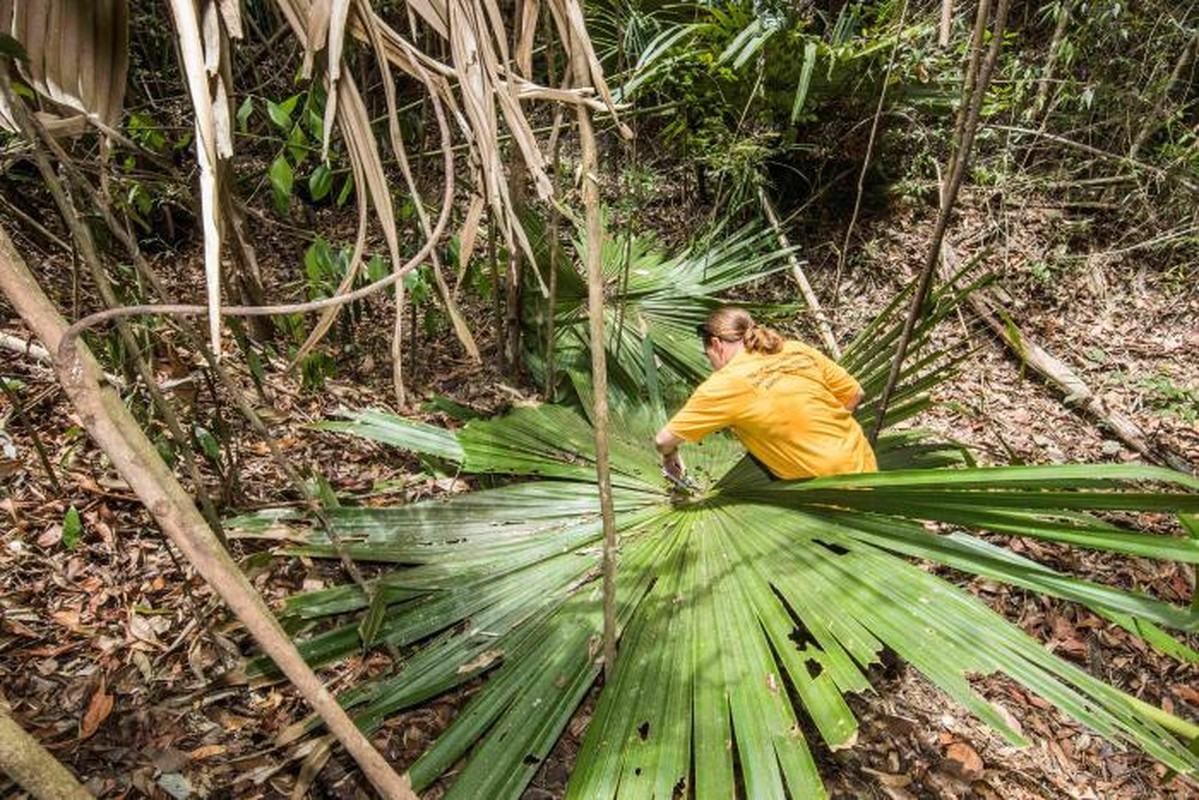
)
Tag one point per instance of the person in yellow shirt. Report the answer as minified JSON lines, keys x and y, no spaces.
{"x":790,"y":405}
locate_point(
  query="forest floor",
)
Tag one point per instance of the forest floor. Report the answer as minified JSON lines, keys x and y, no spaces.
{"x":111,"y":648}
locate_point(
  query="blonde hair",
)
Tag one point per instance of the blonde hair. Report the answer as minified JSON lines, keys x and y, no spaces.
{"x":736,"y":325}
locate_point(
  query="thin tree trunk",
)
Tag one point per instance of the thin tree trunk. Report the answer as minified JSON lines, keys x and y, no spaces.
{"x":133,"y":454}
{"x":599,"y":366}
{"x":960,"y":161}
{"x":805,"y":288}
{"x":81,"y":235}
{"x":946,"y":22}
{"x":32,"y":767}
{"x":1154,"y":121}
{"x":857,"y":200}
{"x":1051,"y":60}
{"x":969,"y":79}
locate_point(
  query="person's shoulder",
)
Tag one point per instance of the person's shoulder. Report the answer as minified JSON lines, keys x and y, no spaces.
{"x":793,"y":346}
{"x":733,"y":377}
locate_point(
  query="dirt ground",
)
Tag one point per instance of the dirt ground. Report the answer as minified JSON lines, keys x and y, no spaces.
{"x":111,"y":648}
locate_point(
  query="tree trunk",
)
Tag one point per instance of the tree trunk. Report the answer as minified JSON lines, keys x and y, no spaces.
{"x":589,"y":164}
{"x":32,"y":766}
{"x":946,"y":22}
{"x":973,"y":93}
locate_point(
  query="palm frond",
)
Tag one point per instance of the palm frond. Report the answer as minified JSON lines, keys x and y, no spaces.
{"x":748,"y":610}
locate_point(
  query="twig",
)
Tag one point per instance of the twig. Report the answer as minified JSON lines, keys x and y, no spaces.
{"x":878,"y":115}
{"x":33,"y":130}
{"x":116,"y":431}
{"x":1095,"y":151}
{"x":1154,"y":121}
{"x":34,"y":435}
{"x":822,"y":323}
{"x":31,"y":222}
{"x":1051,"y":60}
{"x":244,"y":407}
{"x":35,"y":352}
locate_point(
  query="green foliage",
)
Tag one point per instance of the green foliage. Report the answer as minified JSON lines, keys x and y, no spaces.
{"x":10,"y":48}
{"x":747,"y":90}
{"x":725,"y":598}
{"x":651,"y":328}
{"x":72,"y":528}
{"x":1169,"y":398}
{"x":139,"y":186}
{"x":295,"y":127}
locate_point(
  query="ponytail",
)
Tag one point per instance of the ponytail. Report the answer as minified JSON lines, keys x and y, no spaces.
{"x":736,"y":325}
{"x":762,"y":340}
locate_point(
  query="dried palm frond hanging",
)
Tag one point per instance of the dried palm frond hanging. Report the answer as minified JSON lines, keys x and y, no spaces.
{"x":479,"y":87}
{"x":203,"y":29}
{"x":78,"y":59}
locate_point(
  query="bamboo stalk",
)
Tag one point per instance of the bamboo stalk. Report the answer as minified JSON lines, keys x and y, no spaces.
{"x":1154,"y":121}
{"x":961,"y":158}
{"x":805,"y":288}
{"x":946,"y":22}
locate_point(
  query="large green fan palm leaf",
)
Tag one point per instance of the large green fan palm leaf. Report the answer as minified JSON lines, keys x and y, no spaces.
{"x":748,"y":610}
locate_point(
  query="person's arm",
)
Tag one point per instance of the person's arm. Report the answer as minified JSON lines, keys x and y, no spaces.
{"x":668,"y":443}
{"x":843,"y":385}
{"x":715,"y":404}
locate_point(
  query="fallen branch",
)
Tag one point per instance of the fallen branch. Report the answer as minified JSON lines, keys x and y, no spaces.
{"x":35,"y":352}
{"x":33,"y":768}
{"x":822,"y":324}
{"x":116,"y":431}
{"x":988,"y":307}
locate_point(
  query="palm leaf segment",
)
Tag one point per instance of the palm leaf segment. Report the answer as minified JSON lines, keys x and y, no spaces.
{"x":657,"y":302}
{"x":748,"y":610}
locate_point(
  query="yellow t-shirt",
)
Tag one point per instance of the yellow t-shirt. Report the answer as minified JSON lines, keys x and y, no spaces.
{"x":788,"y":409}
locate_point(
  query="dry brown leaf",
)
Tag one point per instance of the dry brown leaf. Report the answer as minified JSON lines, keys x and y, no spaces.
{"x":962,"y":760}
{"x":98,"y":709}
{"x":50,"y":537}
{"x":142,"y":629}
{"x":207,"y":751}
{"x":1011,"y":721}
{"x":889,"y":779}
{"x":482,"y":661}
{"x":1185,"y":692}
{"x":468,"y":235}
{"x":67,"y":618}
{"x":191,"y":49}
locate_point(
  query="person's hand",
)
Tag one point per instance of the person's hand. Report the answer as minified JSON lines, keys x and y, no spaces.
{"x":672,"y":463}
